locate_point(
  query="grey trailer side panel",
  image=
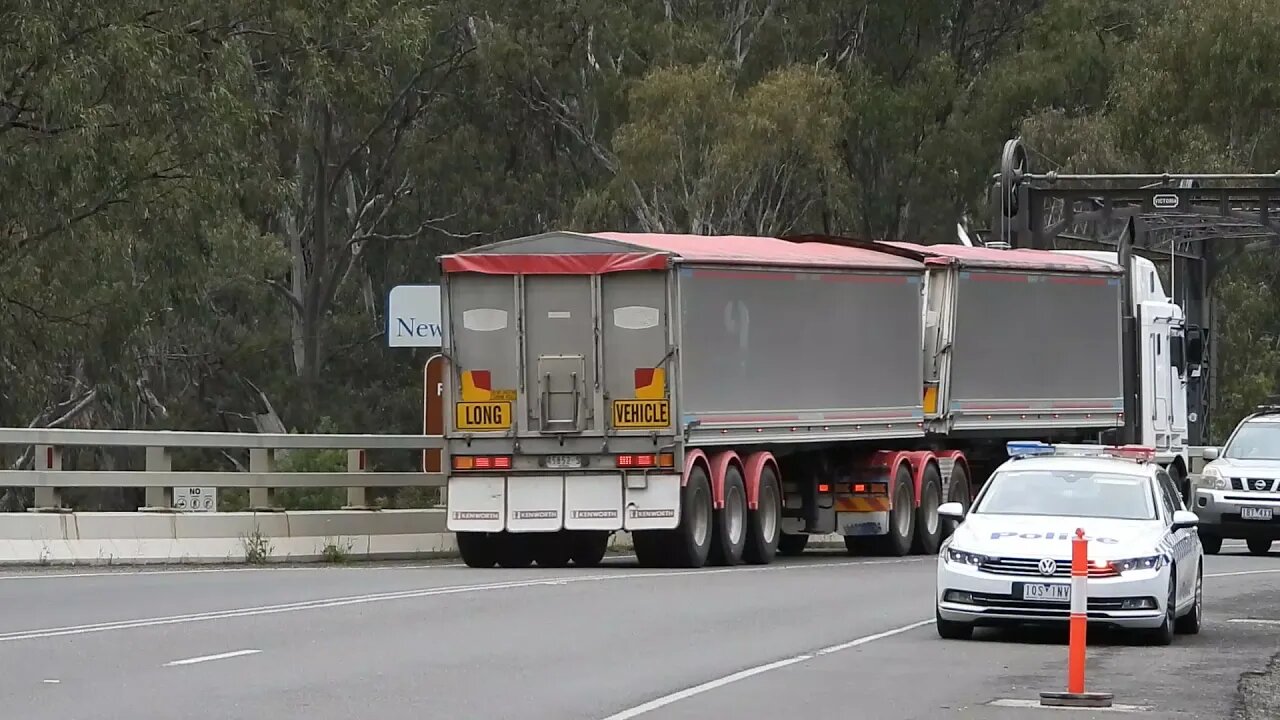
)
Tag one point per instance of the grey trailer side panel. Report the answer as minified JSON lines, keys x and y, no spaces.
{"x":1035,"y":350}
{"x":483,"y":336}
{"x":792,"y":356}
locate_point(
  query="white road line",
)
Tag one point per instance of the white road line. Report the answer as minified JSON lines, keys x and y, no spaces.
{"x":1243,"y":572}
{"x":1020,"y":703}
{"x":1258,"y":621}
{"x":404,"y":595}
{"x":757,"y":670}
{"x":207,"y":658}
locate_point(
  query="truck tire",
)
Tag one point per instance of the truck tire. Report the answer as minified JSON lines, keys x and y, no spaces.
{"x":764,"y":524}
{"x":928,"y":535}
{"x":729,"y":523}
{"x":791,"y":545}
{"x":1212,"y":543}
{"x":689,"y":544}
{"x":477,"y":549}
{"x":650,"y":547}
{"x":587,"y":547}
{"x":513,"y":550}
{"x":551,"y":550}
{"x":1259,"y":546}
{"x":1181,"y":482}
{"x":957,"y":492}
{"x":897,"y":542}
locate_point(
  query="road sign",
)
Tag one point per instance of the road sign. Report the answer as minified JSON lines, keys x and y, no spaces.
{"x":413,"y":316}
{"x":195,"y":499}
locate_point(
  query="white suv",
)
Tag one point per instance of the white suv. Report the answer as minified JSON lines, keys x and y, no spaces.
{"x":1238,"y":493}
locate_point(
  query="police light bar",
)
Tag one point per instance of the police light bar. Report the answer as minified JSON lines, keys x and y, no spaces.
{"x":1035,"y":448}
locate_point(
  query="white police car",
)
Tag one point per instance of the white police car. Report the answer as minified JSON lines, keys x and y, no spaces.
{"x":1009,"y":560}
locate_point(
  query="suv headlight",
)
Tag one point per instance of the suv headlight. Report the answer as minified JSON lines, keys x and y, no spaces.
{"x":965,"y":558}
{"x":1151,"y":562}
{"x":1212,"y":479}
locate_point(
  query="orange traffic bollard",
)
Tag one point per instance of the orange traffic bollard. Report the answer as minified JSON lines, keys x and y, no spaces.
{"x":1075,"y":696}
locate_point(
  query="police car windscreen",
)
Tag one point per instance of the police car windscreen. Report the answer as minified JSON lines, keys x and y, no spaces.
{"x":1067,"y":492}
{"x":1255,"y":441}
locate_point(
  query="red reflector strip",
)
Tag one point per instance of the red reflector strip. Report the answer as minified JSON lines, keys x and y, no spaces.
{"x":482,"y":462}
{"x":643,"y":461}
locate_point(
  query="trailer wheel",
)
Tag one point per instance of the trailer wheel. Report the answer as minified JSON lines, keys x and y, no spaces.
{"x":764,"y":523}
{"x":690,"y":543}
{"x":513,"y":550}
{"x":897,"y":542}
{"x":552,"y":550}
{"x":587,"y":547}
{"x":792,"y":544}
{"x":477,"y":549}
{"x":729,"y":526}
{"x":928,"y":534}
{"x":958,"y":492}
{"x":650,"y":547}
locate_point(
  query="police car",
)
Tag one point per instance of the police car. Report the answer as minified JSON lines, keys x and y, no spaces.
{"x":1008,"y":562}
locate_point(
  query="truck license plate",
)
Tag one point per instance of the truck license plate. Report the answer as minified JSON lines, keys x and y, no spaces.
{"x":1255,"y":513}
{"x":1046,"y":593}
{"x":564,"y":462}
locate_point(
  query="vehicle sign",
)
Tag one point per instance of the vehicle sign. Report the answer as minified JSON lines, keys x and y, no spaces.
{"x":1044,"y":592}
{"x":564,"y":462}
{"x":1255,"y":513}
{"x":641,"y":414}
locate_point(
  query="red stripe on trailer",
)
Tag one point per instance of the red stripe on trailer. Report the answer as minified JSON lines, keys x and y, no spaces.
{"x":998,"y":277}
{"x":581,"y":264}
{"x":1082,"y":280}
{"x":752,"y":469}
{"x":863,"y":278}
{"x":747,"y":418}
{"x":720,"y":463}
{"x":743,"y":274}
{"x":692,"y":458}
{"x":877,"y":415}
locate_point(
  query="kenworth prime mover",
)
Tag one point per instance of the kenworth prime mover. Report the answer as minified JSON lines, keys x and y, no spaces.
{"x":723,"y":398}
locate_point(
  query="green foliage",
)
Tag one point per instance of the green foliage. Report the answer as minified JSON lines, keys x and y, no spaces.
{"x":203,"y":206}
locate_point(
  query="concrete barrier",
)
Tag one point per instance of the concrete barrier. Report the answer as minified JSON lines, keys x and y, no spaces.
{"x":203,"y":538}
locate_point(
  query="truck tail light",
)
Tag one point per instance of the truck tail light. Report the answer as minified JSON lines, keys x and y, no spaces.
{"x":481,"y":462}
{"x":662,"y":460}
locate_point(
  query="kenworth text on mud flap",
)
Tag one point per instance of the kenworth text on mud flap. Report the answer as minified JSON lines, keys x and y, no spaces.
{"x":724,"y":398}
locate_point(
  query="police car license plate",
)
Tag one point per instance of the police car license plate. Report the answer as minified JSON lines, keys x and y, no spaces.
{"x":1255,"y":513}
{"x":1046,"y":592}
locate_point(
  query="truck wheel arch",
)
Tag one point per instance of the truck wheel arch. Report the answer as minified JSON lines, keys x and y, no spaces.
{"x":720,"y":463}
{"x":752,"y":469}
{"x":892,"y":461}
{"x":961,"y":462}
{"x":692,"y":459}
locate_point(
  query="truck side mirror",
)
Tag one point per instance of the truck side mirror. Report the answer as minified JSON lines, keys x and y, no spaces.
{"x":1195,"y":345}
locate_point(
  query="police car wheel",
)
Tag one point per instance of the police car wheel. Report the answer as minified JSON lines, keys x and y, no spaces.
{"x":1212,"y":543}
{"x":1189,"y":624}
{"x":951,"y":630}
{"x":1163,"y":635}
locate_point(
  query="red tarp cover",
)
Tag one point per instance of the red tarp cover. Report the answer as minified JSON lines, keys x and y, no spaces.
{"x":582,"y":264}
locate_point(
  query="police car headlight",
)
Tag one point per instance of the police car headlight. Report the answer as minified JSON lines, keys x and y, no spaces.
{"x":1151,"y":562}
{"x":964,"y":558}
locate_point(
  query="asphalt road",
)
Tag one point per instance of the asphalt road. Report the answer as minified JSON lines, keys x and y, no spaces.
{"x":821,"y":636}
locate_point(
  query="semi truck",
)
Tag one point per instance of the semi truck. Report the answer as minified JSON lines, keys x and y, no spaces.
{"x":723,"y":398}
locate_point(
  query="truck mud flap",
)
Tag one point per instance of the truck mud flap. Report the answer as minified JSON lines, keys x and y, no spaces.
{"x":535,"y":503}
{"x":476,"y":504}
{"x":593,"y":502}
{"x":653,"y":502}
{"x":858,"y":524}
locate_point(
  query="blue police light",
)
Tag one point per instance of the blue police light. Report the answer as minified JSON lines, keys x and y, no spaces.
{"x":1028,"y":448}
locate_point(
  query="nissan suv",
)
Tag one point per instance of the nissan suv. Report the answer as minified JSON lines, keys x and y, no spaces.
{"x":1237,"y":494}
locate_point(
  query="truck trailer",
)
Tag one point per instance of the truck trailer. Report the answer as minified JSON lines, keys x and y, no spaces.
{"x":723,"y":398}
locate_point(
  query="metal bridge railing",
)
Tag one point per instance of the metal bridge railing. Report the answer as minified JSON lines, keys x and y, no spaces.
{"x":159,"y":478}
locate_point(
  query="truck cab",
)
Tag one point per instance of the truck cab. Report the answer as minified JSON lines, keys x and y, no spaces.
{"x":1164,"y":366}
